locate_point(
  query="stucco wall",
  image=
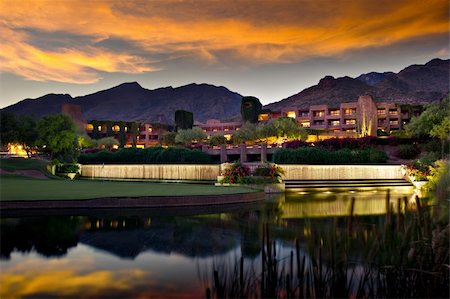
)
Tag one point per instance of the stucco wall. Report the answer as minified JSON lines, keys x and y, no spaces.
{"x":154,"y":171}
{"x":342,"y":172}
{"x":210,"y":172}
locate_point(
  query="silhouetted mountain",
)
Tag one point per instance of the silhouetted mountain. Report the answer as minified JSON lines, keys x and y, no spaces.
{"x":329,"y":91}
{"x":373,"y":78}
{"x":416,"y":84}
{"x":131,"y":102}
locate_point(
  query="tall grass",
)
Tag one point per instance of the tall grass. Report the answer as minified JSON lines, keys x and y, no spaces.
{"x":405,"y":255}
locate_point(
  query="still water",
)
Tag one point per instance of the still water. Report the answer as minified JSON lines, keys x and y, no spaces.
{"x":165,"y":252}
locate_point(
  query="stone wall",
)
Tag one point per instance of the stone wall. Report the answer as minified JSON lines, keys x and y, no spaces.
{"x":153,"y":171}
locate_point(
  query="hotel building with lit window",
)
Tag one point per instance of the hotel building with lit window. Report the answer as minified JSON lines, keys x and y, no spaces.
{"x":215,"y":126}
{"x":364,"y":116}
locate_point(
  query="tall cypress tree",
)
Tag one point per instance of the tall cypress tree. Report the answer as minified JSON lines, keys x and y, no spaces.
{"x":250,"y":109}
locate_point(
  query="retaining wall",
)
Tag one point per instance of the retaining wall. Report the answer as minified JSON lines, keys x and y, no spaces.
{"x":153,"y":171}
{"x":342,"y":172}
{"x":211,"y":172}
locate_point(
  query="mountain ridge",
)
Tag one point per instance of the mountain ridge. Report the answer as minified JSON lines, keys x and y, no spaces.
{"x":129,"y":101}
{"x":415,"y":84}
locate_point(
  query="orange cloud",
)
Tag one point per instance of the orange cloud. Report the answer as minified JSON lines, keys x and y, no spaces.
{"x":248,"y":32}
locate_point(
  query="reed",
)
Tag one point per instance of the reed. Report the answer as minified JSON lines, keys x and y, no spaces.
{"x":402,"y":256}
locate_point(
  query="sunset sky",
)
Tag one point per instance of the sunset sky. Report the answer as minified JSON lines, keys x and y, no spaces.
{"x":269,"y":49}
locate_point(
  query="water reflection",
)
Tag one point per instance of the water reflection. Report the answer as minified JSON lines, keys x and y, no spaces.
{"x":132,"y":253}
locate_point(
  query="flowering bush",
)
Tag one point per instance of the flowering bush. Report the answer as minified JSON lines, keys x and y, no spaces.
{"x":235,"y":173}
{"x":271,"y":171}
{"x":418,"y":171}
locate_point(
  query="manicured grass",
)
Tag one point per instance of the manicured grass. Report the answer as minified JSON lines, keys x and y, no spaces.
{"x":12,"y":164}
{"x":23,"y":188}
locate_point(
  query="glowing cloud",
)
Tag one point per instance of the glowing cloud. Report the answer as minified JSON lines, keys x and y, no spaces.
{"x":217,"y":33}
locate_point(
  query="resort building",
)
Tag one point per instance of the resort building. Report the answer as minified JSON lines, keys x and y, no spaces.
{"x":362,"y":118}
{"x":127,"y":133}
{"x":215,"y":126}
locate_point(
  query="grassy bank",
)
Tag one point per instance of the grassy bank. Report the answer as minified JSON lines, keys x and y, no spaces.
{"x":22,"y":188}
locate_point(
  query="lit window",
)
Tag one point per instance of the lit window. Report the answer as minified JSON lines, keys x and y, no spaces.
{"x":227,"y":137}
{"x":393,"y":122}
{"x":237,"y":129}
{"x":126,"y":129}
{"x":115,"y":146}
{"x":319,"y":113}
{"x":334,"y":123}
{"x":89,"y":127}
{"x":349,"y":111}
{"x":215,"y":130}
{"x":291,"y":114}
{"x":263,"y":116}
{"x":116,"y":128}
{"x":99,"y":128}
{"x":393,"y":112}
{"x":305,"y":124}
{"x":226,"y":129}
{"x":334,"y":112}
{"x":204,"y":130}
{"x":140,"y":146}
{"x":350,"y":121}
{"x":381,"y":111}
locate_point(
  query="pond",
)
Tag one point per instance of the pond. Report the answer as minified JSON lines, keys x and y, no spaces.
{"x":189,"y":252}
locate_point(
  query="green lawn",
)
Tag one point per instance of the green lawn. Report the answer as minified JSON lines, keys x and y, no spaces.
{"x":12,"y":164}
{"x":23,"y":188}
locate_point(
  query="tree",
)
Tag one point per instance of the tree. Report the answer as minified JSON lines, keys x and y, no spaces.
{"x":287,"y":128}
{"x":250,"y":109}
{"x":266,"y":131}
{"x":84,"y":141}
{"x":20,"y":130}
{"x":433,"y":115}
{"x":217,"y":139}
{"x":8,"y":128}
{"x":184,"y":120}
{"x":246,"y":133}
{"x":433,"y":122}
{"x":168,"y":138}
{"x":187,"y":137}
{"x":107,"y":142}
{"x":57,"y":135}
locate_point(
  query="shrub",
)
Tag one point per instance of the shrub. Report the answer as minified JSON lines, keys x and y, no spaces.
{"x":151,"y":155}
{"x":407,"y":151}
{"x":296,"y":144}
{"x":350,"y":143}
{"x":67,"y":168}
{"x":270,"y":171}
{"x":235,"y":173}
{"x":324,"y":156}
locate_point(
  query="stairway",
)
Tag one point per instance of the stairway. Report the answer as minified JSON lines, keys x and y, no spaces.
{"x":315,"y":185}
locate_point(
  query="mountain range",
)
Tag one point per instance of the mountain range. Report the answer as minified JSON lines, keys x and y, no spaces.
{"x":416,"y":84}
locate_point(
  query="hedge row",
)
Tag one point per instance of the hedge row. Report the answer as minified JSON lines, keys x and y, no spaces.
{"x":351,"y":143}
{"x":308,"y":155}
{"x":151,"y":155}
